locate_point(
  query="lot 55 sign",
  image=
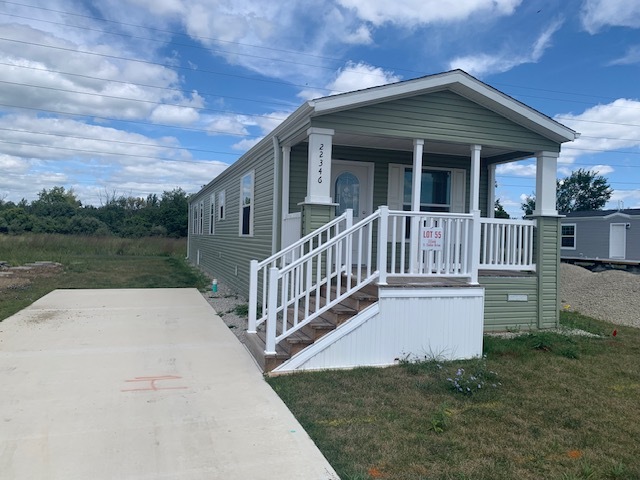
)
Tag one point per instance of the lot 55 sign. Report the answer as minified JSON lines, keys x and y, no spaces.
{"x":431,"y":238}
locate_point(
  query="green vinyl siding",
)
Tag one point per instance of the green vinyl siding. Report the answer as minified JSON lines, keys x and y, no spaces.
{"x":226,"y":250}
{"x":444,"y":116}
{"x":500,"y":314}
{"x":548,"y":262}
{"x":381,"y":160}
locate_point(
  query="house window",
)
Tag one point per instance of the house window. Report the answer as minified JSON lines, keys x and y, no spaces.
{"x":246,"y":204}
{"x":435,"y":193}
{"x":212,"y":214}
{"x":435,"y":190}
{"x":221,"y":207}
{"x":194,"y":216}
{"x":568,"y":238}
{"x":201,"y":219}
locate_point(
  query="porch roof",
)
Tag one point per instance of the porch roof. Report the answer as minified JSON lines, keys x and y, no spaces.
{"x":456,"y":81}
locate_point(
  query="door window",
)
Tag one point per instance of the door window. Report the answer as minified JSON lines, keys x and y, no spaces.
{"x":347,"y":193}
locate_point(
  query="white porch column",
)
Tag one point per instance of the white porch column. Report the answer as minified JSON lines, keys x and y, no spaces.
{"x":418,"y":146}
{"x":319,"y":176}
{"x":474,"y":188}
{"x":491,"y":197}
{"x":474,"y":208}
{"x":286,"y":169}
{"x":546,"y":173}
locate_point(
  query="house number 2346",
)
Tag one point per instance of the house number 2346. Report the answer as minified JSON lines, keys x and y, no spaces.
{"x":321,"y":162}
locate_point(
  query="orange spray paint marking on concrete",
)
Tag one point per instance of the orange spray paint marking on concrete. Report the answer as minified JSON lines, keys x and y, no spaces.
{"x":152,"y":383}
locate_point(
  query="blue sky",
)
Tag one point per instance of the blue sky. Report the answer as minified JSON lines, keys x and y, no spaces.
{"x":131,"y":97}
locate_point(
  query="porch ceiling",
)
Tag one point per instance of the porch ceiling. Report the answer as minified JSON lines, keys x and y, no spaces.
{"x":430,"y":146}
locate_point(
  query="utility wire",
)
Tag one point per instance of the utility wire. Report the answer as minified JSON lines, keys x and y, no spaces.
{"x":129,"y":99}
{"x":161,"y":147}
{"x":277,"y":50}
{"x":171,"y":89}
{"x":109,"y":154}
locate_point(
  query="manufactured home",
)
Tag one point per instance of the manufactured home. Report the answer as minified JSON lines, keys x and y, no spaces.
{"x":361,"y":229}
{"x":605,"y":235}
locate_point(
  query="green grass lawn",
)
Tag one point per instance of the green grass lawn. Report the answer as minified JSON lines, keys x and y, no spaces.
{"x":562,"y":408}
{"x":92,"y":262}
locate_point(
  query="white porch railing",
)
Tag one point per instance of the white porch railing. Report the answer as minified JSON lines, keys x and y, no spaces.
{"x":453,"y":259}
{"x":507,"y":244}
{"x":258,"y":275}
{"x":313,"y":275}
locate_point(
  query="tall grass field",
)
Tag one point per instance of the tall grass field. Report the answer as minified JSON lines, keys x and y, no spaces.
{"x":95,"y":262}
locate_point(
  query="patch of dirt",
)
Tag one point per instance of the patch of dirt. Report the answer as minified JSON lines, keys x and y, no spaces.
{"x":19,"y":277}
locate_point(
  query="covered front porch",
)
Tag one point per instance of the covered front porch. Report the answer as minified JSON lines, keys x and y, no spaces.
{"x":358,"y":220}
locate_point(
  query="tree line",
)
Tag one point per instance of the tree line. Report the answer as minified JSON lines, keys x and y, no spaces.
{"x":60,"y":211}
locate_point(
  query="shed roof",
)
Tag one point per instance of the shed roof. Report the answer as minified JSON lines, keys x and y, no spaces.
{"x":603,"y":213}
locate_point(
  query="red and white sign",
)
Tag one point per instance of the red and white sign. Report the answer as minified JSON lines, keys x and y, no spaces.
{"x":431,"y":238}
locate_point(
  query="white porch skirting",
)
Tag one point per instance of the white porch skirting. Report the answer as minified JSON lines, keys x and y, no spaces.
{"x":416,"y":322}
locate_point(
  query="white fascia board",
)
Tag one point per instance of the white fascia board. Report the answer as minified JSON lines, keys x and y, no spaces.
{"x":384,"y":92}
{"x":616,"y":214}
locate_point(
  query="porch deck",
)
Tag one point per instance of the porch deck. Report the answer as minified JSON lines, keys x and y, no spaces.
{"x":426,"y":282}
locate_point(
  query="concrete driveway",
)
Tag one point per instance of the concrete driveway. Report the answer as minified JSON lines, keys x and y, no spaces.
{"x":139,"y":384}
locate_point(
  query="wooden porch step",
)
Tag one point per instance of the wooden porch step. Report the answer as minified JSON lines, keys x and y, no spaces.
{"x":256,"y":346}
{"x":310,"y":333}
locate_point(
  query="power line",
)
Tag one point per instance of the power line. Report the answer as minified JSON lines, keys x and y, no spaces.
{"x":172,"y":89}
{"x":163,"y":147}
{"x":110,"y":154}
{"x":148,"y":62}
{"x":129,"y":99}
{"x":110,"y":119}
{"x":262,"y":47}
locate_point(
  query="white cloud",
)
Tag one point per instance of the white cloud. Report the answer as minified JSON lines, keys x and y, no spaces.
{"x":230,"y":124}
{"x":628,"y":199}
{"x":631,"y":57}
{"x":484,"y":64}
{"x":422,"y":12}
{"x":174,"y":115}
{"x":244,"y":145}
{"x":96,"y":85}
{"x":517,"y":168}
{"x":597,"y":14}
{"x":603,"y":128}
{"x":357,"y":76}
{"x":361,"y":36}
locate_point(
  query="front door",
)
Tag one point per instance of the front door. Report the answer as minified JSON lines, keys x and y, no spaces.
{"x":352,"y":187}
{"x":618,"y":240}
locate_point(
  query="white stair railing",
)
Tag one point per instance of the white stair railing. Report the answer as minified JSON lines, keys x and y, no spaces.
{"x":258,"y":271}
{"x":303,"y":290}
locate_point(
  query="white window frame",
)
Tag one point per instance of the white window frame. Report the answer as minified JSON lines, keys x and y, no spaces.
{"x":427,"y":169}
{"x":574,"y":236}
{"x":194,"y":218}
{"x":212,"y":214}
{"x":250,"y":205}
{"x":201,"y":219}
{"x":222,"y":212}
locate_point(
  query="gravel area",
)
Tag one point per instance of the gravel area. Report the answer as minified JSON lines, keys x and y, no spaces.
{"x":229,"y":306}
{"x":610,"y":295}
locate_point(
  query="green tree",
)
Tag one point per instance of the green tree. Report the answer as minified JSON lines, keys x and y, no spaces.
{"x":499,"y":211}
{"x":56,"y":202}
{"x":174,"y":212}
{"x":583,"y":190}
{"x":580,"y":191}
